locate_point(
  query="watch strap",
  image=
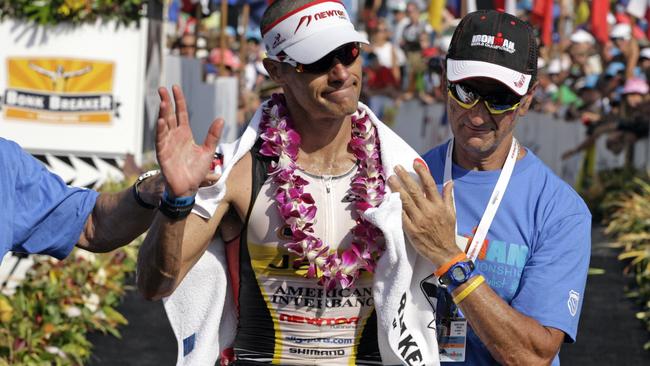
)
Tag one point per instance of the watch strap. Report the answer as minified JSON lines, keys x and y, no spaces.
{"x":136,"y":192}
{"x":136,"y":197}
{"x":451,"y":286}
{"x":445,"y":267}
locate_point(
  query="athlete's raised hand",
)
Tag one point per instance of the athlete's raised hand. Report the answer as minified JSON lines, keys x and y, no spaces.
{"x":184,"y":164}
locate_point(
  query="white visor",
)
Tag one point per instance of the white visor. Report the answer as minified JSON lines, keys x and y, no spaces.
{"x":311,"y":32}
{"x":466,"y":69}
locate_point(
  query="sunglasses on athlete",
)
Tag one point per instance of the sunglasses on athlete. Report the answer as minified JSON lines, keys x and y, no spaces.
{"x":468,"y":97}
{"x":346,"y":54}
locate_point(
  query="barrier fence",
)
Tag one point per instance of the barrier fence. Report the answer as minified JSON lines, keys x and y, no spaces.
{"x":424,"y":126}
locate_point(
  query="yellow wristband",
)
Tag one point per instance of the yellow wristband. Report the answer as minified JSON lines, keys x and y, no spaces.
{"x":468,"y":290}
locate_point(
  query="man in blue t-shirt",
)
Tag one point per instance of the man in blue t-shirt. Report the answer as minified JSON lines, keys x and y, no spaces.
{"x":511,"y":240}
{"x":41,"y":214}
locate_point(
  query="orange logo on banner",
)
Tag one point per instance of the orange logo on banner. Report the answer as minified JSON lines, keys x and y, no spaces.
{"x":59,"y":90}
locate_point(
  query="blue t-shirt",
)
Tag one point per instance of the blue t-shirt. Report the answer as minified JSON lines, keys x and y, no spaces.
{"x":536,"y":254}
{"x":39,"y":212}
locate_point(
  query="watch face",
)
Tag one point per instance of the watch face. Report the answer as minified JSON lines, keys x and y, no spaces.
{"x":458,"y":274}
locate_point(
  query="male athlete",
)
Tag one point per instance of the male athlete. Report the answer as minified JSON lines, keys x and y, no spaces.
{"x":306,"y":286}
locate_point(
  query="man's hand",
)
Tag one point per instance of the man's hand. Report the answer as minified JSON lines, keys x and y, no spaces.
{"x":429,"y":219}
{"x":184,"y":164}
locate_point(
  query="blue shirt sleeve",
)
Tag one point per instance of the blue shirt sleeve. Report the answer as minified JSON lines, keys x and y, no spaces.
{"x":553,"y":281}
{"x":48,"y":216}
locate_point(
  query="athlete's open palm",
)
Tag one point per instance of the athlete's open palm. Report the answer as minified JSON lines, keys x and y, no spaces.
{"x":183,"y":163}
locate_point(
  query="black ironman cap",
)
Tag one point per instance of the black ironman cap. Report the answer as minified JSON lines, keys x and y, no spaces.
{"x":496,"y":45}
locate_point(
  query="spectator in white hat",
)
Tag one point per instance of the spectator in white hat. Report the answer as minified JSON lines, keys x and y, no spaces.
{"x":621,"y":31}
{"x":582,"y":36}
{"x":621,"y":35}
{"x":399,"y":20}
{"x":585,"y":60}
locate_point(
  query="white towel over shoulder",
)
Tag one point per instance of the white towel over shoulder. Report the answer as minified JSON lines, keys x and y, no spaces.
{"x":202,"y":312}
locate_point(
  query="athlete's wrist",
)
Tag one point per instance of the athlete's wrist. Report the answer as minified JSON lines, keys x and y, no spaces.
{"x":176,"y":208}
{"x":169,"y":193}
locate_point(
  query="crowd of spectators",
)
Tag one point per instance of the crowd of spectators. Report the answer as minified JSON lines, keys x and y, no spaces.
{"x":603,"y":85}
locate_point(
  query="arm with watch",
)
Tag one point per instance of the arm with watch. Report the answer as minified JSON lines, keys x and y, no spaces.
{"x":118,"y":218}
{"x":176,"y":239}
{"x":429,"y":223}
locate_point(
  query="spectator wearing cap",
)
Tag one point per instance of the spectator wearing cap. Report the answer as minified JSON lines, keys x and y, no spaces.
{"x":542,"y":101}
{"x":591,"y":114}
{"x":381,"y":85}
{"x":590,"y":107}
{"x":497,"y":199}
{"x":589,"y":92}
{"x":187,"y":45}
{"x":633,"y":122}
{"x":621,"y":36}
{"x":399,"y":20}
{"x":254,"y":72}
{"x":620,"y":32}
{"x":558,"y":69}
{"x":388,"y":55}
{"x":583,"y":54}
{"x":614,"y":78}
{"x":562,"y":94}
{"x":644,"y":62}
{"x":615,"y":69}
{"x":635,"y":91}
{"x":412,"y":46}
{"x":226,"y":57}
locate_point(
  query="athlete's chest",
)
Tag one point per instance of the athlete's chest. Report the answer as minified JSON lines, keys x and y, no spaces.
{"x":332,"y":223}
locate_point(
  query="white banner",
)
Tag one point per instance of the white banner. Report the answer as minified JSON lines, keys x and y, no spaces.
{"x":76,"y":90}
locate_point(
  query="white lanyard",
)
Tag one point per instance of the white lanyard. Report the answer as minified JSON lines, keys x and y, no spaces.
{"x":495,"y":199}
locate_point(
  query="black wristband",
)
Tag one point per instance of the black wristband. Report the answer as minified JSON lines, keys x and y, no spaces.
{"x":175,"y":212}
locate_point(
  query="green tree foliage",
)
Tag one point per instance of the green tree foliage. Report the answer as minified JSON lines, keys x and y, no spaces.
{"x":52,"y":12}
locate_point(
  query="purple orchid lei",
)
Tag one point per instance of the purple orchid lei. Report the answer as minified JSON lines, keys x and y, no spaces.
{"x":298,"y":208}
